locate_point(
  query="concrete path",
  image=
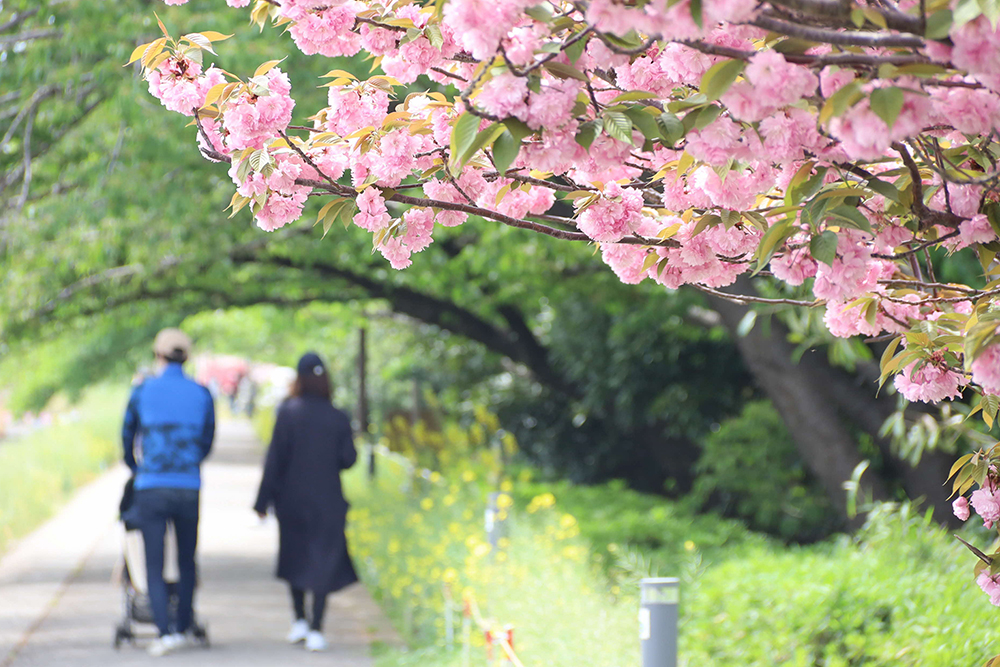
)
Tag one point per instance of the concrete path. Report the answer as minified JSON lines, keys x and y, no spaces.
{"x":58,"y":605}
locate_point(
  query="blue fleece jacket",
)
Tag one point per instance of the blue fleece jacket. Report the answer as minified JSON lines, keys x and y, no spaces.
{"x":168,"y":431}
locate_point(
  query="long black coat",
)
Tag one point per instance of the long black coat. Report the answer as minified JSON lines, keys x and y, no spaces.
{"x":312,"y":443}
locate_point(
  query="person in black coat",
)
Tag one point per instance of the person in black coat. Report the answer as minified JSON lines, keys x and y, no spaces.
{"x":312,"y":443}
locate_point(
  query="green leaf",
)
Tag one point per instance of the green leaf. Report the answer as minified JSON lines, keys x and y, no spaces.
{"x":434,"y":36}
{"x":463,"y":134}
{"x":505,"y":150}
{"x":482,"y":140}
{"x":823,"y":248}
{"x":671,"y":128}
{"x":746,"y":323}
{"x":696,"y":13}
{"x":259,"y":159}
{"x":967,"y":10}
{"x":564,"y":71}
{"x":887,"y":103}
{"x":852,"y":217}
{"x":618,"y":126}
{"x":517,"y":128}
{"x":772,"y":240}
{"x":541,"y":13}
{"x":939,"y":24}
{"x":644,"y":121}
{"x":840,"y":101}
{"x":633,"y":96}
{"x":887,"y":190}
{"x":587,"y":133}
{"x":346,"y":213}
{"x":575,"y":50}
{"x":717,"y":80}
{"x":707,"y":115}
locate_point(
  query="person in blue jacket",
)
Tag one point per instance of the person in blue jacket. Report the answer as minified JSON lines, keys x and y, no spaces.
{"x":168,"y":431}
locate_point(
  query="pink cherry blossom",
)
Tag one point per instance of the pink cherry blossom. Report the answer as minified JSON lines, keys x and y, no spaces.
{"x":977,"y":51}
{"x":413,"y":59}
{"x":255,"y":119}
{"x":986,"y":502}
{"x":412,"y":236}
{"x":793,"y":267}
{"x":613,"y":216}
{"x":990,"y":585}
{"x":377,"y":41}
{"x":849,"y":275}
{"x":504,"y":96}
{"x":551,"y":106}
{"x":279,"y":210}
{"x":961,"y":508}
{"x":929,"y":383}
{"x":625,"y":260}
{"x":975,"y":230}
{"x":986,"y":369}
{"x":349,"y":110}
{"x":372,"y":214}
{"x":328,"y":32}
{"x":779,"y":81}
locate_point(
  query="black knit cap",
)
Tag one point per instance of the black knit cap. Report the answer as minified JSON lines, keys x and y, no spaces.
{"x":310,"y":364}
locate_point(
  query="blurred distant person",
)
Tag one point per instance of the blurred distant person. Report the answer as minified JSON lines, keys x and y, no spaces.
{"x":168,"y":431}
{"x":312,"y":443}
{"x":248,"y":395}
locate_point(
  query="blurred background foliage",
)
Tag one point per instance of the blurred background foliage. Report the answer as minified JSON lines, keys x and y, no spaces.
{"x":112,"y":227}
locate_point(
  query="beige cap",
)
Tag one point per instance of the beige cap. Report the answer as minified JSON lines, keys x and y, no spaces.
{"x":172,"y":343}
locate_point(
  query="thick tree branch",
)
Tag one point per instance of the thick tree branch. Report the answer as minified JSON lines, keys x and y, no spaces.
{"x":837,"y":37}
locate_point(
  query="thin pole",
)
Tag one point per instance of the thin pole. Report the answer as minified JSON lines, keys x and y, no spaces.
{"x":363,"y":396}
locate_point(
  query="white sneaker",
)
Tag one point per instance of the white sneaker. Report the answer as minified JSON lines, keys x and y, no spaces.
{"x":165,"y":644}
{"x":315,"y":641}
{"x":299,"y":631}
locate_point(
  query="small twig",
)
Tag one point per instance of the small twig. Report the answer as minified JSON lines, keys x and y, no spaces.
{"x":912,"y":284}
{"x":916,"y":249}
{"x":208,"y":149}
{"x":745,"y":299}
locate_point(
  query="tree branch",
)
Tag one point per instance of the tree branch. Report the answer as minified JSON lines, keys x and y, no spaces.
{"x":30,"y":36}
{"x":18,"y":18}
{"x":839,"y":37}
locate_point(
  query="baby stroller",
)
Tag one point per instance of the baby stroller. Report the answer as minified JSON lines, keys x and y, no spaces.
{"x":131,"y":575}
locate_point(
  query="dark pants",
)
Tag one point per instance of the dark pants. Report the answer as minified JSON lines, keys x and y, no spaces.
{"x":179,"y":507}
{"x":318,"y":608}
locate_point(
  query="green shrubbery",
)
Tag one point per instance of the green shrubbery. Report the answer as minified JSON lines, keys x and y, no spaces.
{"x":900,"y":593}
{"x":750,"y":468}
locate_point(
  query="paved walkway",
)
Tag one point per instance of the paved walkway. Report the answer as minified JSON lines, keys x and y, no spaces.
{"x":59,"y":607}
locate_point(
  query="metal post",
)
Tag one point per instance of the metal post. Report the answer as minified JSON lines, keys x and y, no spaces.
{"x":658,"y":621}
{"x":466,"y":632}
{"x":363,"y":396}
{"x":493,"y":523}
{"x":449,"y":618}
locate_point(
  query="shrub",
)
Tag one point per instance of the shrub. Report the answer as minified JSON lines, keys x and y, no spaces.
{"x":750,"y":468}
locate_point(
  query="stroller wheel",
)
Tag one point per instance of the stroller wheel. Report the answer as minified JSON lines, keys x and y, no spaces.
{"x":122,"y":634}
{"x":200,"y":633}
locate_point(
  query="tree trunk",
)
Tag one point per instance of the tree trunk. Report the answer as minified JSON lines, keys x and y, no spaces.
{"x":801,"y":395}
{"x":817,"y":401}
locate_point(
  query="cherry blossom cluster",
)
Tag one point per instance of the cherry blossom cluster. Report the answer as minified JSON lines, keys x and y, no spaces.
{"x":692,"y":142}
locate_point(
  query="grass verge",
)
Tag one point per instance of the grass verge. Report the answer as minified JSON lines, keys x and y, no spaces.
{"x":39,"y":471}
